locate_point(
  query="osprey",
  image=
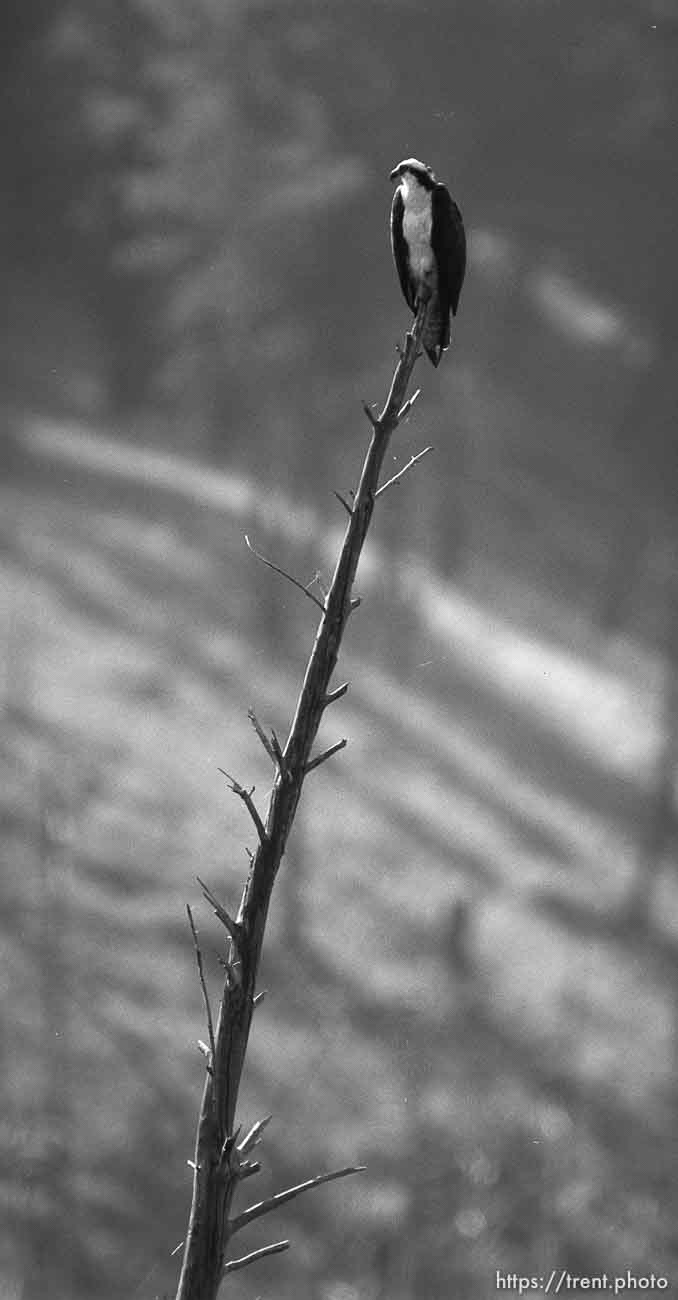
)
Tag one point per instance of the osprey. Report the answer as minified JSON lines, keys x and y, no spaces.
{"x":429,"y":248}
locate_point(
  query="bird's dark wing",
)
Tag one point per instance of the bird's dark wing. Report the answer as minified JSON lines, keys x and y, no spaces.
{"x":448,"y":241}
{"x":399,"y":246}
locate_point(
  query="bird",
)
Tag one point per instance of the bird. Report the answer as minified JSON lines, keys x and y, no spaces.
{"x":429,"y":249}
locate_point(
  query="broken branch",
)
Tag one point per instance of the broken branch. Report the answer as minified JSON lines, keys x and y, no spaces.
{"x":203,"y":985}
{"x":373,"y":419}
{"x":275,"y":1248}
{"x":254,"y":1135}
{"x":246,"y":796}
{"x":407,"y":406}
{"x":331,"y":696}
{"x":315,"y":762}
{"x":226,"y":919}
{"x":344,"y":502}
{"x":281,"y":1198}
{"x":412,"y":461}
{"x":262,"y":735}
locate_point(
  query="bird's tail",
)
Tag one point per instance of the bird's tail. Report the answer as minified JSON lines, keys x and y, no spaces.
{"x":436,"y":332}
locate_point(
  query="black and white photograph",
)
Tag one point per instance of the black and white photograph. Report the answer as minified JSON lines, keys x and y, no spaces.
{"x":338,"y":649}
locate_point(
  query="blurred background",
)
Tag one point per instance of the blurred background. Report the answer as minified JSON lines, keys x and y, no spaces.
{"x":473,"y":948}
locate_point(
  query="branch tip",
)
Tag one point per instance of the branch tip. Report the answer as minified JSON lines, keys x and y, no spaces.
{"x":322,"y":758}
{"x":407,"y":406}
{"x":246,"y":796}
{"x":254,"y":1135}
{"x":373,"y":419}
{"x":262,"y":735}
{"x":335,"y":695}
{"x":281,"y":1198}
{"x":283,"y":573}
{"x":344,"y":503}
{"x":317,"y":581}
{"x":226,"y":919}
{"x":275,"y":1248}
{"x":396,"y":477}
{"x":203,"y":986}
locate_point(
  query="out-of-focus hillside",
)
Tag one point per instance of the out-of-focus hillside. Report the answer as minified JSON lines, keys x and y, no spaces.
{"x":502,"y":1060}
{"x":472,"y":957}
{"x":199,"y":230}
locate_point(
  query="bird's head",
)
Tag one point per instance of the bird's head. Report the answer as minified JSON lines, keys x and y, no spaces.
{"x":418,"y":171}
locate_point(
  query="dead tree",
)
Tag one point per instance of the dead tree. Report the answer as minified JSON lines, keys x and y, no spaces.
{"x":223,"y":1158}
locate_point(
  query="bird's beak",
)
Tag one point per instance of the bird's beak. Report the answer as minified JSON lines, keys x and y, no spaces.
{"x":394,"y":174}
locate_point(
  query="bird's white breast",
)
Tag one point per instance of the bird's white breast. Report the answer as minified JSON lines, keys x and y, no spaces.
{"x":417,"y":225}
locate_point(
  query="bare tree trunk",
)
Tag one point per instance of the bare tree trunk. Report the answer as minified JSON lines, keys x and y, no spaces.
{"x":221,"y":1159}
